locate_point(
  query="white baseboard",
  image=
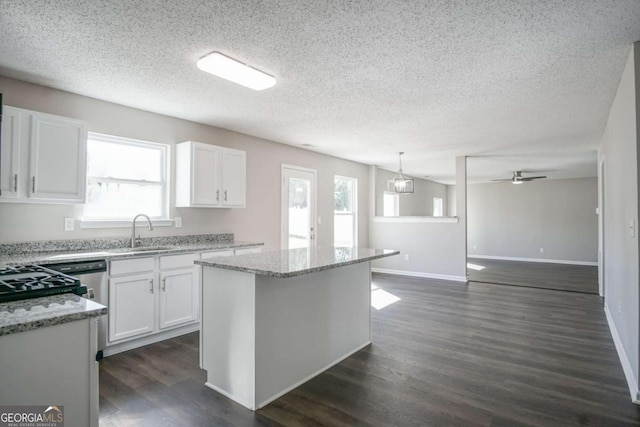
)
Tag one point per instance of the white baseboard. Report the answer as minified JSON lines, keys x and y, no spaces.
{"x":419,"y":274}
{"x":551,"y":261}
{"x":149,"y":339}
{"x":624,"y":360}
{"x":233,"y":397}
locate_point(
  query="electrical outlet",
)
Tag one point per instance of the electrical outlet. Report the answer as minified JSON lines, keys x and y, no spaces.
{"x":619,"y":307}
{"x":541,"y":250}
{"x":178,"y":221}
{"x":475,"y":246}
{"x":319,"y":220}
{"x":69,"y":224}
{"x":406,"y":257}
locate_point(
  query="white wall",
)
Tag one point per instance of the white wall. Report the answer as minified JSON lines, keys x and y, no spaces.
{"x":435,"y":249}
{"x":620,"y":152}
{"x":259,"y":221}
{"x":559,"y":215}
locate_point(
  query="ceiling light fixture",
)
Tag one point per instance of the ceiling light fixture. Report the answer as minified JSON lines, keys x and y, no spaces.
{"x":402,"y":184}
{"x":222,"y":66}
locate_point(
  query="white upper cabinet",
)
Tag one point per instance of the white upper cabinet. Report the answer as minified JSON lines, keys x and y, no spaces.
{"x":58,"y":151}
{"x":208,"y":176}
{"x":197,"y":175}
{"x":234,"y":178}
{"x":43,"y":158}
{"x":10,"y":156}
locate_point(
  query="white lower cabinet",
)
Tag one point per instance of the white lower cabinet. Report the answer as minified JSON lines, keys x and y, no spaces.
{"x":178,"y":297}
{"x":152,"y":294}
{"x":55,"y":365}
{"x":152,"y":298}
{"x":131,"y":306}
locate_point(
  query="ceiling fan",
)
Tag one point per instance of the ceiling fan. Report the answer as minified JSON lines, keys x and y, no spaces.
{"x":519,"y":179}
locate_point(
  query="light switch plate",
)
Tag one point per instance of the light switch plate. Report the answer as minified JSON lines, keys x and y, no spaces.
{"x":69,"y":224}
{"x":178,"y":221}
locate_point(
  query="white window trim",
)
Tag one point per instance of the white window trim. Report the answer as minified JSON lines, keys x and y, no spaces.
{"x":164,"y":221}
{"x":424,"y":219}
{"x":354,"y":204}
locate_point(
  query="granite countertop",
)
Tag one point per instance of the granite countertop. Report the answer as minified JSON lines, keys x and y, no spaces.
{"x":43,"y":253}
{"x":296,"y":262}
{"x":25,"y":315}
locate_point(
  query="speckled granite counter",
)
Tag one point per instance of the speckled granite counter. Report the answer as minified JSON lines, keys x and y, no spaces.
{"x":296,"y":262}
{"x":25,"y":315}
{"x":50,"y":252}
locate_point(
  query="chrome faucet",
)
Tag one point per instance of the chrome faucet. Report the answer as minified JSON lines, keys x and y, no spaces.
{"x":133,"y":229}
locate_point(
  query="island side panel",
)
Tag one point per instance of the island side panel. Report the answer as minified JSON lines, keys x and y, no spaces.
{"x":228,"y":333}
{"x":306,"y":324}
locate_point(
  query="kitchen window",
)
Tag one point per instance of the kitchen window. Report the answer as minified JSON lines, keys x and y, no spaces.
{"x":345,"y":221}
{"x":125,"y":177}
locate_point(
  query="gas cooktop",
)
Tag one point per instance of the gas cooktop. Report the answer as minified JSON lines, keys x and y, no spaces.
{"x":33,"y":281}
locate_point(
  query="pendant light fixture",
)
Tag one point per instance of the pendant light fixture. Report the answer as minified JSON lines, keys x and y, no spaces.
{"x":402,"y":184}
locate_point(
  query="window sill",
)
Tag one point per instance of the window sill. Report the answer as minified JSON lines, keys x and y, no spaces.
{"x":122,"y":223}
{"x":423,"y":219}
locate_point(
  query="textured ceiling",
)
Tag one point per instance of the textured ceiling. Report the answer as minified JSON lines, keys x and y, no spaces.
{"x":523,"y":84}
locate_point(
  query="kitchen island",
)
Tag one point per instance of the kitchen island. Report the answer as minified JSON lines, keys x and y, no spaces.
{"x":273,"y":320}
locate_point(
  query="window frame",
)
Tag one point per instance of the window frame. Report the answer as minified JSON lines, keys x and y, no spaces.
{"x":164,"y":183}
{"x":354,"y":208}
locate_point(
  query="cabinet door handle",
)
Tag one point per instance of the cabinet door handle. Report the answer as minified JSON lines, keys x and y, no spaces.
{"x":151,"y":285}
{"x":164,"y":284}
{"x":225,"y":195}
{"x":15,"y":183}
{"x":33,"y":184}
{"x":217,"y":195}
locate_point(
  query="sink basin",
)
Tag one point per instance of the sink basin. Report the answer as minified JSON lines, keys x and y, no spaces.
{"x":145,"y":249}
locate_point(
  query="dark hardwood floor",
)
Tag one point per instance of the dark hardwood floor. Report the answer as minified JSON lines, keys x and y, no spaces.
{"x":562,"y":277}
{"x":445,"y":354}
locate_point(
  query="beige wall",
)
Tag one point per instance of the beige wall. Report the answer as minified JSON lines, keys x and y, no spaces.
{"x":427,"y":249}
{"x":418,"y":203}
{"x":259,"y":221}
{"x":557,"y":215}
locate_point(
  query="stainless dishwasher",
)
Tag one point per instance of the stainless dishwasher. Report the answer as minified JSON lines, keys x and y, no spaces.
{"x":93,"y":274}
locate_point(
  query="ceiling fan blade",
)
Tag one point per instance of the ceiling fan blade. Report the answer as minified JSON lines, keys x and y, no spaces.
{"x":502,"y":180}
{"x":531,"y":178}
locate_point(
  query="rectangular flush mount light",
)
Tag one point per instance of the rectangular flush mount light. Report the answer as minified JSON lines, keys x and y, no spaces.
{"x":237,"y":72}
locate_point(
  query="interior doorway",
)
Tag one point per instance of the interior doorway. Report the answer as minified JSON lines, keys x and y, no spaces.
{"x":534,"y":229}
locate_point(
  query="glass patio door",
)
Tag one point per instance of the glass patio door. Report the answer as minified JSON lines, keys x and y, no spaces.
{"x":298,"y":207}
